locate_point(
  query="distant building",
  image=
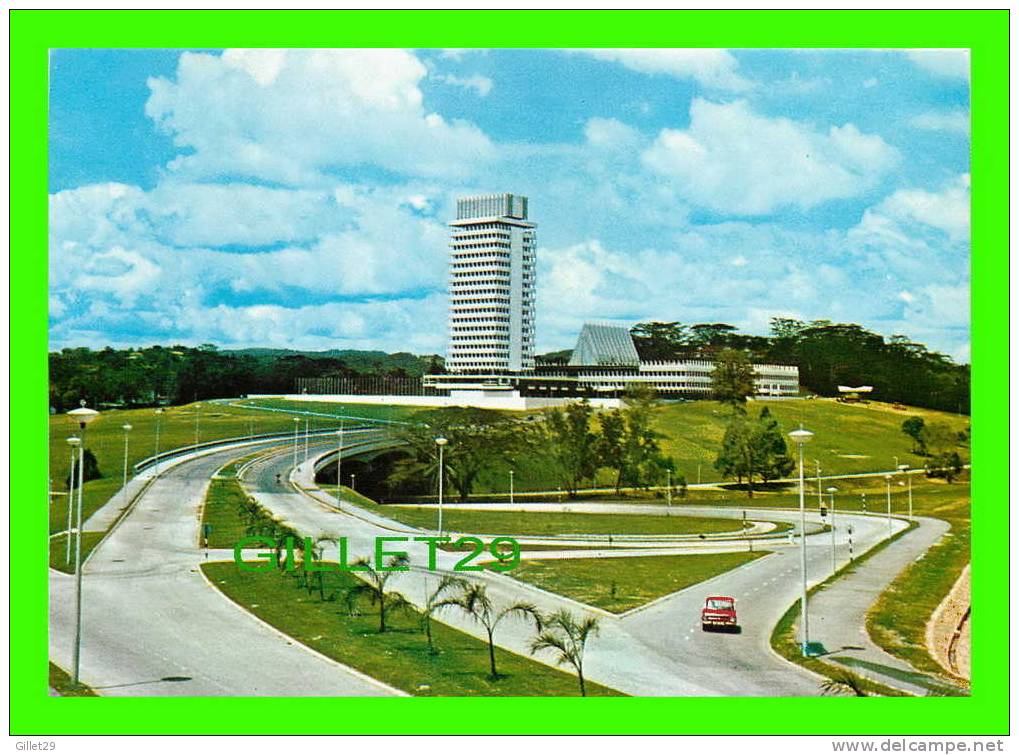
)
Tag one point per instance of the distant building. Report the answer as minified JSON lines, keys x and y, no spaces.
{"x":491,"y":286}
{"x":604,"y":363}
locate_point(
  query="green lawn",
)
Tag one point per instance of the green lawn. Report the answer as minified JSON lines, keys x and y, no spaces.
{"x":58,"y":550}
{"x":551,"y":523}
{"x":221,"y":511}
{"x":105,"y":439}
{"x":366,"y":411}
{"x":898,"y":620}
{"x":619,"y":584}
{"x":398,"y":657}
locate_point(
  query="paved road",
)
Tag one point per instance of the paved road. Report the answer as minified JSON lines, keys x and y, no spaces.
{"x":153,"y":626}
{"x":657,"y":650}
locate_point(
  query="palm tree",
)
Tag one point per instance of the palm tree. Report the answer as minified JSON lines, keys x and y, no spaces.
{"x":844,"y":682}
{"x":373,"y":584}
{"x":474,"y":601}
{"x":435,"y":602}
{"x":565,"y":634}
{"x":317,"y":552}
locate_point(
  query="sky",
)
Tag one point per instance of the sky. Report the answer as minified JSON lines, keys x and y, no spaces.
{"x":300,"y":198}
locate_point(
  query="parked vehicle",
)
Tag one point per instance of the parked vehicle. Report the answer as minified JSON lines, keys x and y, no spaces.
{"x":719,"y":612}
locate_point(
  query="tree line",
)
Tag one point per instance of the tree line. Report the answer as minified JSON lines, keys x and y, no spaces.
{"x":180,"y":374}
{"x":827,"y":354}
{"x":574,"y":441}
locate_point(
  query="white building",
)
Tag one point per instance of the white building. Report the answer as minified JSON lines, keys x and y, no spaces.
{"x":491,"y":286}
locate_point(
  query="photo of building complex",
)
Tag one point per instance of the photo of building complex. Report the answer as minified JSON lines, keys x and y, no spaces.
{"x":492,"y":323}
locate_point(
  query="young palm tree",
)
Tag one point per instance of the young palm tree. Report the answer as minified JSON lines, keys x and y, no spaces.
{"x":373,"y":585}
{"x":474,"y":601}
{"x":565,"y":634}
{"x":317,"y":553}
{"x":435,"y":602}
{"x":844,"y":682}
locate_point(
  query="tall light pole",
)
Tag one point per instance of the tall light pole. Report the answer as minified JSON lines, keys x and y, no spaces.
{"x":306,"y":431}
{"x":820,"y":497}
{"x":800,"y":438}
{"x":441,"y":443}
{"x":888,"y":499}
{"x":83,"y":416}
{"x":74,"y":442}
{"x":352,"y":478}
{"x":127,"y":429}
{"x":904,"y":468}
{"x":339,"y":459}
{"x":668,"y":487}
{"x":159,"y":416}
{"x":297,"y":424}
{"x":198,"y":414}
{"x":831,"y":507}
{"x":511,"y":487}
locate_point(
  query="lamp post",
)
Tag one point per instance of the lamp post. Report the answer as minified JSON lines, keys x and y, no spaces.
{"x":352,"y":477}
{"x":339,"y":459}
{"x":159,"y":416}
{"x":127,"y":429}
{"x":73,"y":442}
{"x":802,"y":437}
{"x":297,"y":424}
{"x":441,"y":443}
{"x":306,"y":434}
{"x":668,"y":487}
{"x":83,"y":416}
{"x":904,"y":468}
{"x":198,"y":414}
{"x":511,"y":486}
{"x":888,"y":499}
{"x":820,"y":496}
{"x":831,"y":507}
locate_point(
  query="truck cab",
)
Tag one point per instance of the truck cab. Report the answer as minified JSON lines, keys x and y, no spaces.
{"x":719,"y":612}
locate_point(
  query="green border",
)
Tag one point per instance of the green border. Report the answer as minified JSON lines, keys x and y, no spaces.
{"x":32,"y":33}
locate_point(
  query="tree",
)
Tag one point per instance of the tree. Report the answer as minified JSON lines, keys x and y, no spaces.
{"x":659,"y":341}
{"x":733,"y":378}
{"x":611,"y":443}
{"x":844,"y":682}
{"x":753,"y":449}
{"x":474,"y":601}
{"x":914,"y":427}
{"x":567,"y":636}
{"x":939,"y":438}
{"x":572,"y":445}
{"x":373,"y":586}
{"x":435,"y":601}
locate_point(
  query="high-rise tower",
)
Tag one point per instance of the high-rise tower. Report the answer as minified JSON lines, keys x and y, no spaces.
{"x":491,"y":286}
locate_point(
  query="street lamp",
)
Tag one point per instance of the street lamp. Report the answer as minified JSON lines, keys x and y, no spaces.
{"x":297,"y":424}
{"x":441,"y":443}
{"x":820,"y":496}
{"x":888,"y":498}
{"x":198,"y":414}
{"x":831,"y":507}
{"x":339,"y":460}
{"x":306,"y":431}
{"x":511,"y":487}
{"x":82,"y":416}
{"x":668,"y":487}
{"x":904,"y":468}
{"x":352,"y":483}
{"x":74,"y":443}
{"x":159,"y":416}
{"x":800,"y":438}
{"x":127,"y":429}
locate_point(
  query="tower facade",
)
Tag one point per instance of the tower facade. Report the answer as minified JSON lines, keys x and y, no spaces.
{"x":491,"y":286}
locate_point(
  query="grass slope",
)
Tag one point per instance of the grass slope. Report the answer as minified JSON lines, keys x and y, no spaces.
{"x":618,"y":585}
{"x":399,"y":657}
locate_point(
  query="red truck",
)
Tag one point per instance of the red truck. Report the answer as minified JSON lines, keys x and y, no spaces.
{"x":719,"y":612}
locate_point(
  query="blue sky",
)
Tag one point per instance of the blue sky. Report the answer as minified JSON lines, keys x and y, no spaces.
{"x":299,"y":198}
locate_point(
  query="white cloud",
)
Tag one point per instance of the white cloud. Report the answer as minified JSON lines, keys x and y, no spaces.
{"x":712,"y":68}
{"x":733,"y":160}
{"x":482,"y":85}
{"x":291,"y":115}
{"x":947,"y":211}
{"x":609,"y":133}
{"x":947,"y":63}
{"x":952,"y":121}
